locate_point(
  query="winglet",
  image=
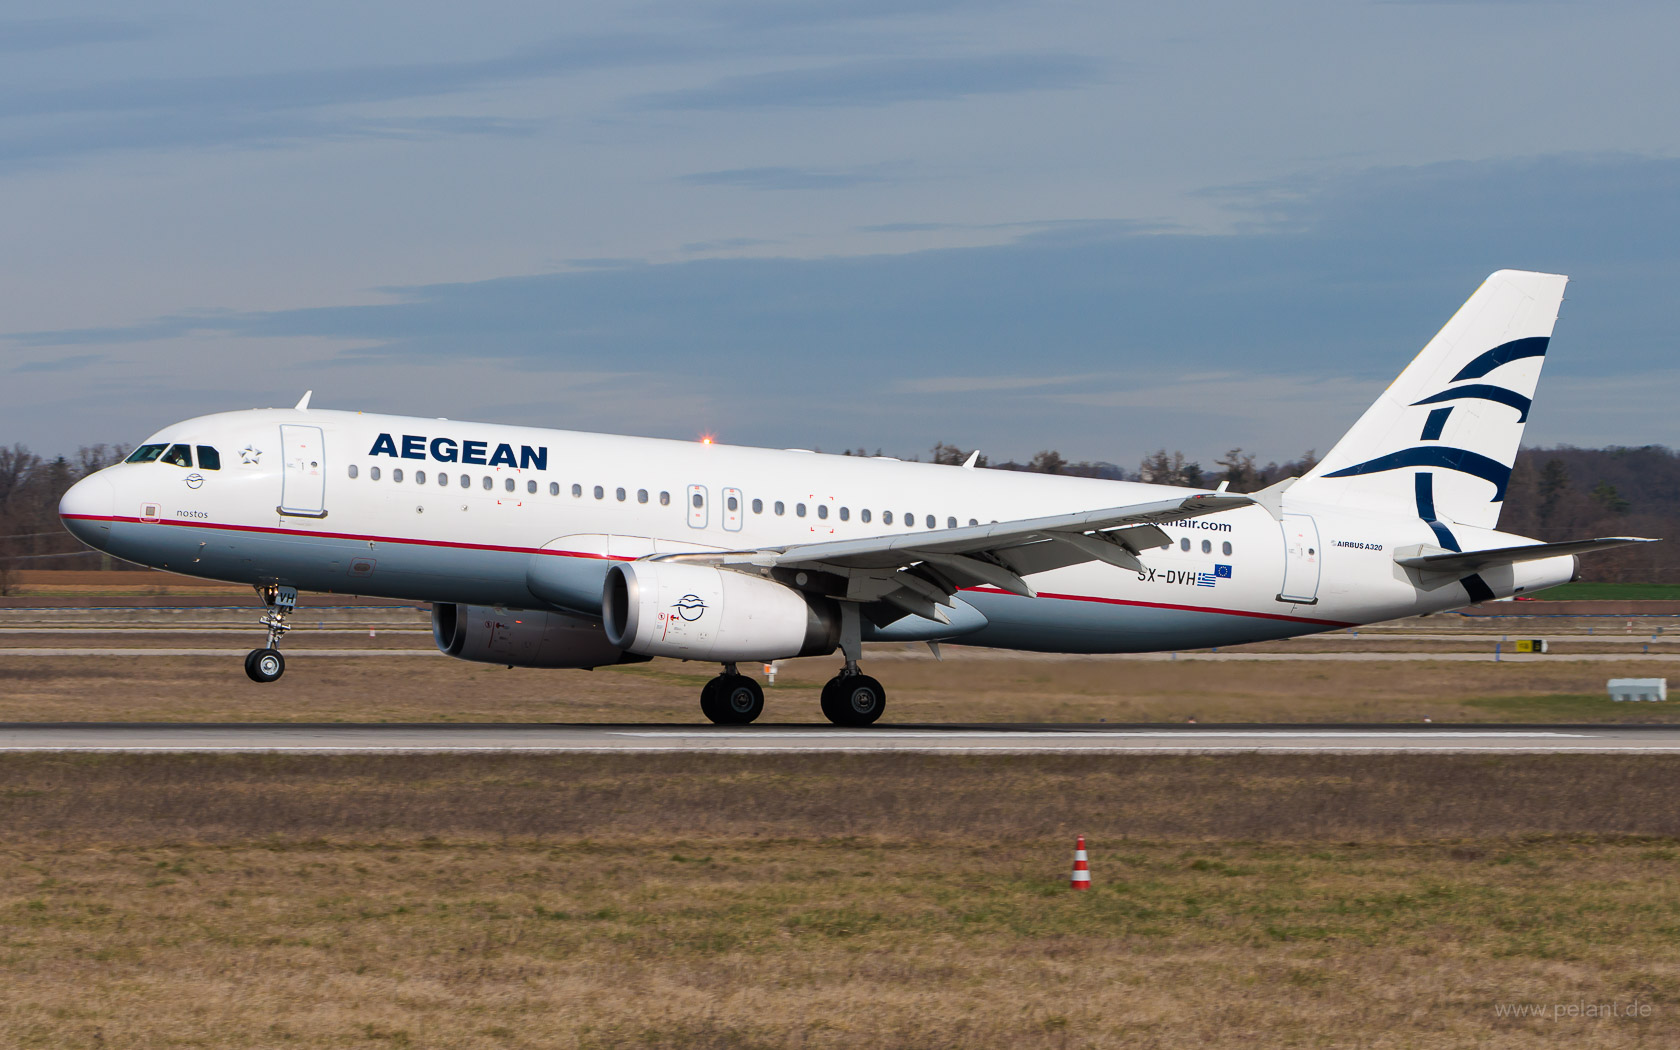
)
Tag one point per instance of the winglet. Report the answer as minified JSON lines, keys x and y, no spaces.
{"x":303,"y":402}
{"x":973,"y":457}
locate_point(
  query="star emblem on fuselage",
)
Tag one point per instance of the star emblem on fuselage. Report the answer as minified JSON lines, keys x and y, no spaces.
{"x":250,"y":455}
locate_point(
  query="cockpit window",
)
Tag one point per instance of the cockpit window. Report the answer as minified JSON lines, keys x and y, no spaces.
{"x":178,"y":456}
{"x":209,"y":458}
{"x":145,"y":454}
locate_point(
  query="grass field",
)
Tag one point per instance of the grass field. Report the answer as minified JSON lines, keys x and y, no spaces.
{"x":835,"y":901}
{"x":428,"y":687}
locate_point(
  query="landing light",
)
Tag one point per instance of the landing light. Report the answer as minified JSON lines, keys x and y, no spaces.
{"x":705,"y":439}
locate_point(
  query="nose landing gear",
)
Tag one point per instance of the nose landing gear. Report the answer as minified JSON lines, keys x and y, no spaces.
{"x":266,"y":664}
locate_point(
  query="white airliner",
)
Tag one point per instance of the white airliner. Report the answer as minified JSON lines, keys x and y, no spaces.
{"x":552,"y":548}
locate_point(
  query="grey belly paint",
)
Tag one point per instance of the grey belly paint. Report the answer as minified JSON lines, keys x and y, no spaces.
{"x":519,"y":579}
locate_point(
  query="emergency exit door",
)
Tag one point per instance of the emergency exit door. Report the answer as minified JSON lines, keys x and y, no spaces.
{"x":1301,"y":558}
{"x":303,"y":485}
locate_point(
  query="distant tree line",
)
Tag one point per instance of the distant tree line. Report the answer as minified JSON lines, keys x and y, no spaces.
{"x":1555,"y":494}
{"x":31,"y":536}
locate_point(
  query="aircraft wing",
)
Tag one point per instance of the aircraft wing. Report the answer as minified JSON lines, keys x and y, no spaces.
{"x":1475,"y":561}
{"x":918,"y":571}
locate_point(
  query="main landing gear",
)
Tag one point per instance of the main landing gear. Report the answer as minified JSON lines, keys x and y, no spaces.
{"x":267,"y":665}
{"x":851,"y":698}
{"x":732,"y":699}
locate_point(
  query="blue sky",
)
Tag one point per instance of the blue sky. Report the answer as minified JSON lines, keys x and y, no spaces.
{"x":1095,"y":227}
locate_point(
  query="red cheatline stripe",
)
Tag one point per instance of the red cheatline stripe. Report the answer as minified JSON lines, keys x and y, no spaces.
{"x":1178,"y":608}
{"x":622,"y":557}
{"x":351,"y":536}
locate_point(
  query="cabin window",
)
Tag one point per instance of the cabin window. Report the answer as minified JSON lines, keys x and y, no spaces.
{"x":886,"y":517}
{"x":932,"y":522}
{"x":698,"y":501}
{"x":1184,"y":544}
{"x":600,"y":493}
{"x":420,"y":478}
{"x":864,"y":515}
{"x":781,"y":508}
{"x":641,"y":495}
{"x":178,"y":456}
{"x":758,"y":506}
{"x":210,"y":459}
{"x":950,"y":523}
{"x":353,"y":470}
{"x":507,"y":483}
{"x":664,"y":499}
{"x":1207,"y":546}
{"x":972,"y":522}
{"x":733,"y":503}
{"x":845,"y":514}
{"x":373,"y":473}
{"x":822,"y":511}
{"x":554,"y":488}
{"x":1226,"y":547}
{"x":531,"y":487}
{"x":489,"y":483}
{"x":620,"y":494}
{"x":909,"y":521}
{"x":466,"y":481}
{"x":145,"y":454}
{"x":577,"y":490}
{"x":396,"y":473}
{"x":799,"y":509}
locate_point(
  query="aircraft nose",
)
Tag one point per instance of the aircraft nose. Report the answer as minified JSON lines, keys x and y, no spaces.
{"x":87,"y":508}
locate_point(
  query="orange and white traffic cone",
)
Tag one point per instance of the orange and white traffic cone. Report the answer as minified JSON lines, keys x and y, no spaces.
{"x":1081,"y":868}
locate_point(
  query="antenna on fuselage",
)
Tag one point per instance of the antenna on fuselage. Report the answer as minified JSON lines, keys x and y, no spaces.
{"x":303,"y":402}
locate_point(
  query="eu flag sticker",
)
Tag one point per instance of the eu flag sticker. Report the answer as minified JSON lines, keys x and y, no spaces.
{"x":1222,"y":571}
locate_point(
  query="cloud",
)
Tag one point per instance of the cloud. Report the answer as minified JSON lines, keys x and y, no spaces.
{"x":1079,"y":335}
{"x":69,"y":363}
{"x":22,"y":36}
{"x":725,"y":245}
{"x":887,"y":81}
{"x":783,"y":178}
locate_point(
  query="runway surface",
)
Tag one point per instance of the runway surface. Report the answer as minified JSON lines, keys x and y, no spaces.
{"x":1011,"y":739}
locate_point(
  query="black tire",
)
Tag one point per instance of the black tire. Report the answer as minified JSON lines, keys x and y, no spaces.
{"x":853,"y":700}
{"x":732,"y":700}
{"x":264,"y":665}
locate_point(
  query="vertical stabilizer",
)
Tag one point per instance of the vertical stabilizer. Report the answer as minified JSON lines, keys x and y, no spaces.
{"x":1439,"y":443}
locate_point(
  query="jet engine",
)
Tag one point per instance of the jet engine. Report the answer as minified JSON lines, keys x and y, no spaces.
{"x":522,"y":638}
{"x":696,"y":612}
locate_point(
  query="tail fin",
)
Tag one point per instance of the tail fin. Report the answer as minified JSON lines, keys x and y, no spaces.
{"x":1439,"y":443}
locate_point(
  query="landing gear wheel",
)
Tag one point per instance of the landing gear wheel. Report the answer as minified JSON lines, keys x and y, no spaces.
{"x":732,"y":700}
{"x":265,"y":665}
{"x":853,"y":700}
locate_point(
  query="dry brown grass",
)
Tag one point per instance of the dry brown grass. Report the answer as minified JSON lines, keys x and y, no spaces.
{"x":833,"y":901}
{"x":432,"y":687}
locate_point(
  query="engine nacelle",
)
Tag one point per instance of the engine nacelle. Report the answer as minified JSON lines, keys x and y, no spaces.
{"x":696,"y":612}
{"x":523,"y":638}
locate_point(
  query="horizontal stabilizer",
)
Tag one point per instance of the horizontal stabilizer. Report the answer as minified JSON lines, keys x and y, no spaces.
{"x":1475,"y":561}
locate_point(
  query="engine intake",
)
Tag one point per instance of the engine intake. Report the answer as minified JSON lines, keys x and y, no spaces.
{"x":523,"y":638}
{"x":696,"y":612}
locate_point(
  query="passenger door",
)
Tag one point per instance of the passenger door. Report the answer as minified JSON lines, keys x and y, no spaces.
{"x":697,"y":513}
{"x":303,"y":486}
